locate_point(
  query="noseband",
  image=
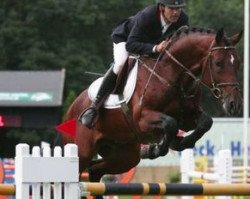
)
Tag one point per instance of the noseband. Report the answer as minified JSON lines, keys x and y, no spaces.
{"x":216,"y":87}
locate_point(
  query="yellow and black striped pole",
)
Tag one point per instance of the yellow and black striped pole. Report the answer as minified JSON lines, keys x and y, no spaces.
{"x":102,"y":189}
{"x":98,"y":189}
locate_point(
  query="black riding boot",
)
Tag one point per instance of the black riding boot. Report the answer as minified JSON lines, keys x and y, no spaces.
{"x":88,"y":117}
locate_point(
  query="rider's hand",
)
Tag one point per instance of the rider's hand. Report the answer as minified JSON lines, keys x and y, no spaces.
{"x":161,"y":46}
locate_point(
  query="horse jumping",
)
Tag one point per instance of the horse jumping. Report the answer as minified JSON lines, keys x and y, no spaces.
{"x":167,"y":98}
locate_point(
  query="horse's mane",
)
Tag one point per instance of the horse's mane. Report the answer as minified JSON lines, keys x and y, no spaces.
{"x":186,"y":31}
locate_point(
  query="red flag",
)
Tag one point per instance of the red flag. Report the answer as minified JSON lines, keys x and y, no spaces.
{"x":68,"y":127}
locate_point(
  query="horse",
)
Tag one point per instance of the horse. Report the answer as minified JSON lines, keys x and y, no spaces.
{"x":167,"y":98}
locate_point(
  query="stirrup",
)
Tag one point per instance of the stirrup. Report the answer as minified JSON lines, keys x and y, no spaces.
{"x":89,"y":117}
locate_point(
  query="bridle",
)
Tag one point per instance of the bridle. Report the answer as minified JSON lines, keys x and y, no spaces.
{"x":216,"y":87}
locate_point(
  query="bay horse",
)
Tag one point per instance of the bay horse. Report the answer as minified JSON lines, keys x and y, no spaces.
{"x":167,"y":98}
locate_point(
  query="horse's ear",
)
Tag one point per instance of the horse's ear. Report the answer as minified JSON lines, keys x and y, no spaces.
{"x":236,"y":38}
{"x":219,"y":35}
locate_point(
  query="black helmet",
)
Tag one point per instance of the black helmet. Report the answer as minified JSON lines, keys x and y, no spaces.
{"x":172,"y":3}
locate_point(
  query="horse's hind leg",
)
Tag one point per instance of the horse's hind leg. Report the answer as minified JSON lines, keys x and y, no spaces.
{"x":204,"y":123}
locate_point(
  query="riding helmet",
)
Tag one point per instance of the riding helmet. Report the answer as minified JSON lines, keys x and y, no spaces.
{"x":172,"y":3}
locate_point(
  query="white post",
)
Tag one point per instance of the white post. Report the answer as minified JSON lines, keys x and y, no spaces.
{"x":187,"y":166}
{"x":224,"y":169}
{"x":57,"y":185}
{"x":246,"y":88}
{"x":225,"y":166}
{"x":72,"y":188}
{"x":22,"y":189}
{"x":46,"y":185}
{"x":36,"y":187}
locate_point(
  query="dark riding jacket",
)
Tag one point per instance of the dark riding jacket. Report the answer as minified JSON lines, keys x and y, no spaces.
{"x":143,"y":30}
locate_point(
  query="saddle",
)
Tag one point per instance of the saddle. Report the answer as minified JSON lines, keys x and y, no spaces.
{"x":125,"y":87}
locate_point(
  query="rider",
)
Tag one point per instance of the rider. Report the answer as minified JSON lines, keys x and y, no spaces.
{"x":142,"y":34}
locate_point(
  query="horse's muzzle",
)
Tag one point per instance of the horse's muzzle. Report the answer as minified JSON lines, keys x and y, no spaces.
{"x":233,"y":103}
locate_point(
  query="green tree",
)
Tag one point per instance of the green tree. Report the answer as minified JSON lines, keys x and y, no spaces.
{"x":55,"y":34}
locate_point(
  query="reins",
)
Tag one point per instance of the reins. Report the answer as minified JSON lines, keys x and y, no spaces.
{"x":152,"y":72}
{"x":215,"y":89}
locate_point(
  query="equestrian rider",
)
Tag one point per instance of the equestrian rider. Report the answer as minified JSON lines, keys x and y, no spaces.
{"x":142,"y":34}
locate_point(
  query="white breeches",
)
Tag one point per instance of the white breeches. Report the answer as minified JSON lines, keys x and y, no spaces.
{"x":120,"y":56}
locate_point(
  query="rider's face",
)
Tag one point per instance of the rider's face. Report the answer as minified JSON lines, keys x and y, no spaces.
{"x":171,"y":14}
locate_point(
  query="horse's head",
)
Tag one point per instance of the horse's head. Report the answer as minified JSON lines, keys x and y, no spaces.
{"x":220,"y":71}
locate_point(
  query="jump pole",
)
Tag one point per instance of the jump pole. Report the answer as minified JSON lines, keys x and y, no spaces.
{"x":100,"y":189}
{"x":7,"y":189}
{"x":105,"y":189}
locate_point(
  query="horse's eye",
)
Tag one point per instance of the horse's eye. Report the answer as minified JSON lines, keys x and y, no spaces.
{"x":219,"y":63}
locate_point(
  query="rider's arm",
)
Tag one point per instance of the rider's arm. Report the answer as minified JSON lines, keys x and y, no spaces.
{"x":140,"y":39}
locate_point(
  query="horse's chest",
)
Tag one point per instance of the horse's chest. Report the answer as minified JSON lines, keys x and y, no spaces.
{"x":178,"y":106}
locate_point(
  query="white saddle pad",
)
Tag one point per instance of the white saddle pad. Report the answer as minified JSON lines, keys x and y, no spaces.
{"x":113,"y":100}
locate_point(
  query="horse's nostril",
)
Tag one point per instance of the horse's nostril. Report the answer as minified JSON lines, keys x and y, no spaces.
{"x":232,"y":105}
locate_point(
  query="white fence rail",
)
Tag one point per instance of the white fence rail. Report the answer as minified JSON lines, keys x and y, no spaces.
{"x":39,"y":170}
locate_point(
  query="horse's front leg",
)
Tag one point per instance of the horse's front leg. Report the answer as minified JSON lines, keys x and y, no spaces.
{"x":160,"y":125}
{"x":204,"y":123}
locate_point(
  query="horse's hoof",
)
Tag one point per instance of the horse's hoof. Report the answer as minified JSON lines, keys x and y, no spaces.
{"x":156,"y":151}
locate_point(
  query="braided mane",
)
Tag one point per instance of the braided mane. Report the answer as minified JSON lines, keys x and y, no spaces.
{"x":186,"y":31}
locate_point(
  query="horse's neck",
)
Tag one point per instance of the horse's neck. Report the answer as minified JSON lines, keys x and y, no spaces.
{"x":192,"y":51}
{"x":189,"y":52}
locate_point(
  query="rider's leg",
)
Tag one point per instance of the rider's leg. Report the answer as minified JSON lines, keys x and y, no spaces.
{"x":108,"y":85}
